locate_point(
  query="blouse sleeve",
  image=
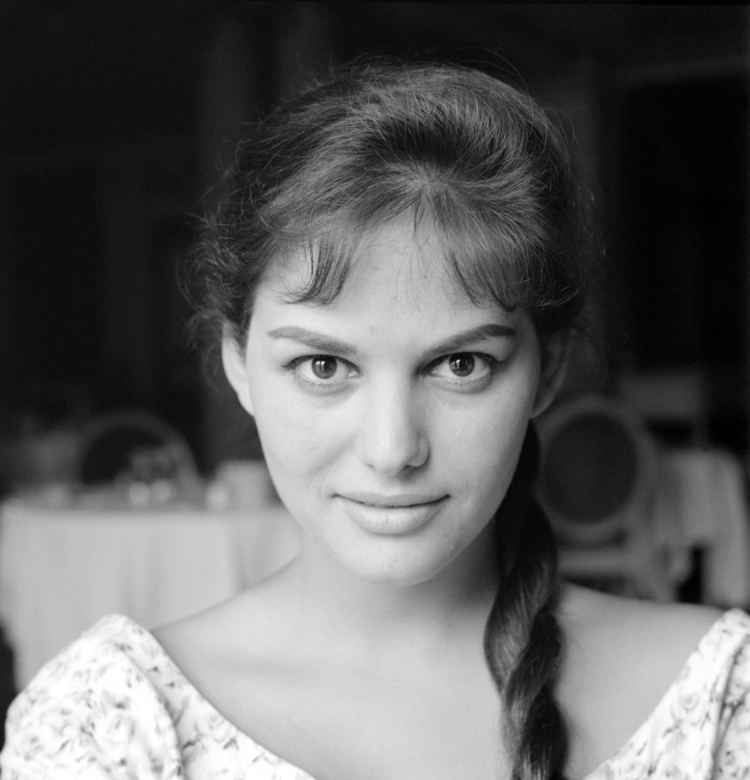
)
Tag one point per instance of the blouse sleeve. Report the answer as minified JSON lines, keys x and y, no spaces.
{"x":90,"y":713}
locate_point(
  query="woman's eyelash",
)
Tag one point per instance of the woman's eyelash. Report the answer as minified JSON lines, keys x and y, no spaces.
{"x":460,"y":368}
{"x":318,"y":366}
{"x":492,"y":362}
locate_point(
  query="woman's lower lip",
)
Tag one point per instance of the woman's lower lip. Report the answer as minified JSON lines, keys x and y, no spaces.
{"x":390,"y":520}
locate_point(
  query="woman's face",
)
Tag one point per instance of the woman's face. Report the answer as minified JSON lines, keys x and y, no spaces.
{"x":392,"y":418}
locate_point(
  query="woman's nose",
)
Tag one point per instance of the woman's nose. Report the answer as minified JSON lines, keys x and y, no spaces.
{"x":392,"y":436}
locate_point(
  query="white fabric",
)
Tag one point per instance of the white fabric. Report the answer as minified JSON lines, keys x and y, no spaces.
{"x":701,"y":503}
{"x":727,"y":561}
{"x":62,"y":568}
{"x":115,"y":706}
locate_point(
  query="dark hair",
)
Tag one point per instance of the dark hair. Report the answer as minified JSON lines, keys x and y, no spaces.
{"x":482,"y":164}
{"x":474,"y":156}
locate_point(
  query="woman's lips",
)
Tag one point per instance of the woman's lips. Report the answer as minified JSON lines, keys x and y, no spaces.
{"x":390,"y":515}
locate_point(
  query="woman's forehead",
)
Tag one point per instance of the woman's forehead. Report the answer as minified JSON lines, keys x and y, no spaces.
{"x":412,"y":256}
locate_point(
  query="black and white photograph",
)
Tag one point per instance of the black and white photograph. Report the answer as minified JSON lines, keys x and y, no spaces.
{"x":374,"y":390}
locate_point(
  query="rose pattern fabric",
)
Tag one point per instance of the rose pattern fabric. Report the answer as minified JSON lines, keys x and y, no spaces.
{"x":114,"y":705}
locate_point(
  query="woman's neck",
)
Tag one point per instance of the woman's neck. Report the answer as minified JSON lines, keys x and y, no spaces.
{"x":391,"y":617}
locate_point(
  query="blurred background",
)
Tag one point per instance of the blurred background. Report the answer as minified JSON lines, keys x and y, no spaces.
{"x":116,"y":121}
{"x":117,"y":118}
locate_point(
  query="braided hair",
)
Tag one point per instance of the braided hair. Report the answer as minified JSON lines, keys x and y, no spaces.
{"x":489,"y":171}
{"x":522,"y":638}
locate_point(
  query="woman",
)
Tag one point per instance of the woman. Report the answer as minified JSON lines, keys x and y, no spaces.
{"x":396,"y":269}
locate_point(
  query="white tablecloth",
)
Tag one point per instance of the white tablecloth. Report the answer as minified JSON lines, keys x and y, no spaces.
{"x":63,"y":567}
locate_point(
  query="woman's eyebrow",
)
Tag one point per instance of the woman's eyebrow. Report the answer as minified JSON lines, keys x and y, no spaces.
{"x":312,"y":339}
{"x":466,"y":338}
{"x":454,"y":343}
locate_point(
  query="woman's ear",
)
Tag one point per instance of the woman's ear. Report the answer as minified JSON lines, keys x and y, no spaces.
{"x":555,"y":354}
{"x":235,"y":368}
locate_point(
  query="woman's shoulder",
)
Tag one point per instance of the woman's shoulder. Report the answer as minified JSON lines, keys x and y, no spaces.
{"x":647,"y":643}
{"x":116,"y":702}
{"x":621,"y":627}
{"x":114,"y":647}
{"x":624,"y":656}
{"x":78,"y":711}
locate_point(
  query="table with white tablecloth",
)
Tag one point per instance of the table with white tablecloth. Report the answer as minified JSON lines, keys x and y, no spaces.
{"x":64,"y":565}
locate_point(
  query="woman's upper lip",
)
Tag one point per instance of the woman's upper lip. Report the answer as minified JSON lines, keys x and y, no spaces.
{"x":395,"y":500}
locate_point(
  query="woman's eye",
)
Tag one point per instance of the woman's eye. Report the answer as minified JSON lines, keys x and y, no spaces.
{"x":462,"y":364}
{"x":324,"y":367}
{"x":322,"y":370}
{"x":464,"y":368}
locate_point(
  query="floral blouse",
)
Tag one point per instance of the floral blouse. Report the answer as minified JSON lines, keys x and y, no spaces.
{"x":114,"y":705}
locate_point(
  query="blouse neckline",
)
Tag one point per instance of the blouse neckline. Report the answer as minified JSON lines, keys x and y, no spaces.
{"x":637,"y":737}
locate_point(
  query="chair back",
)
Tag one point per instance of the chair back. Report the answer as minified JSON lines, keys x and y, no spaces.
{"x":132,"y":443}
{"x":597,"y":471}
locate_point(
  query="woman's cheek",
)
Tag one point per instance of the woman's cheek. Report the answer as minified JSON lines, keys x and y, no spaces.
{"x":293,"y":433}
